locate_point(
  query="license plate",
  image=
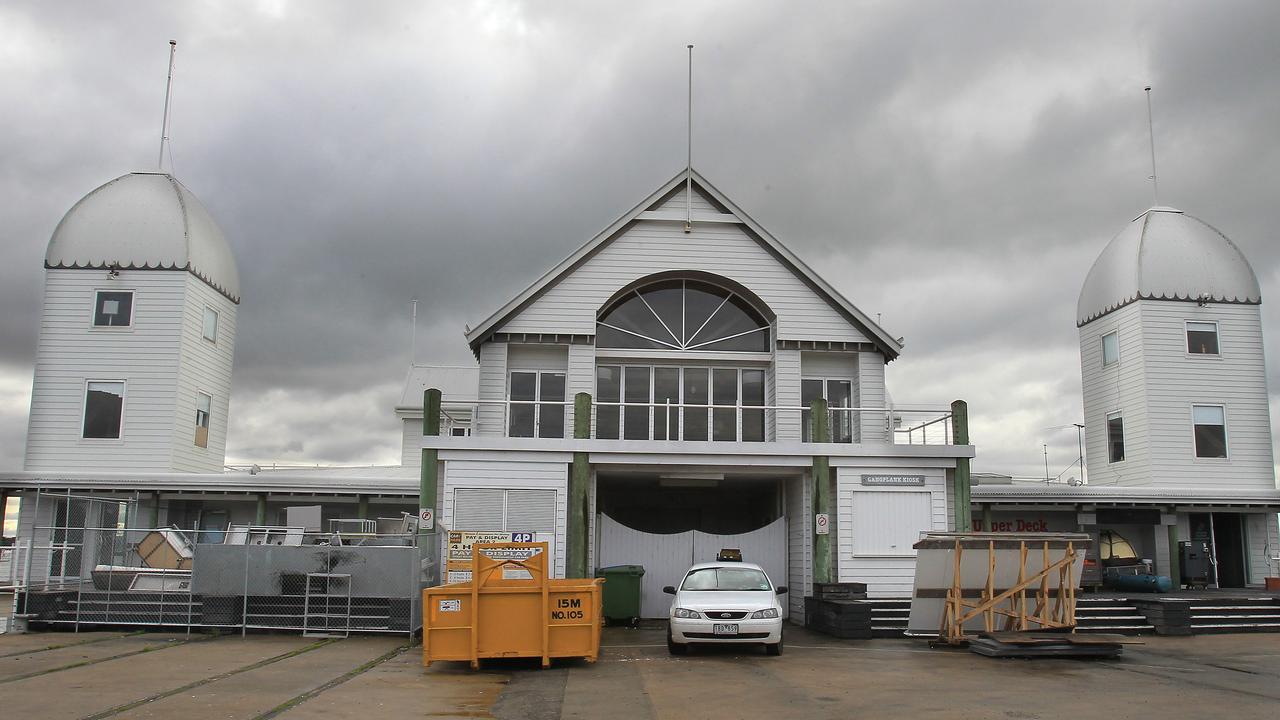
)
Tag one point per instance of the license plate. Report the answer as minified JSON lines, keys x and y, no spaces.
{"x":725,"y":629}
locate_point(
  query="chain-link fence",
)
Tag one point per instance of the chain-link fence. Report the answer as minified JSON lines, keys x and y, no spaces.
{"x":243,"y":577}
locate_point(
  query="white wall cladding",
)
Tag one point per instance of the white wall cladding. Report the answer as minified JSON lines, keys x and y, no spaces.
{"x":411,"y":442}
{"x":1237,"y":379}
{"x":651,"y":246}
{"x":205,"y":368}
{"x":70,"y":351}
{"x":786,"y":372}
{"x":861,"y":551}
{"x":698,"y":203}
{"x":491,"y":418}
{"x":1263,"y":533}
{"x":797,"y":494}
{"x":871,"y":394}
{"x":496,"y":476}
{"x":1156,"y":382}
{"x":581,"y":378}
{"x":1118,"y":387}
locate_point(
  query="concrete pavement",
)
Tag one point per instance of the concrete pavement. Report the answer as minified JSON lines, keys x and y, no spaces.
{"x":166,"y":675}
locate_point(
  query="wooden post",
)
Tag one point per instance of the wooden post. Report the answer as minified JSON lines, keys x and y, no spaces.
{"x":821,"y":493}
{"x":260,"y":517}
{"x":961,"y":479}
{"x":579,"y":480}
{"x":429,"y":474}
{"x":362,"y":506}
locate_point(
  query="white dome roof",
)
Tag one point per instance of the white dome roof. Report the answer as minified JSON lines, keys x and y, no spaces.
{"x":1166,"y":254}
{"x":145,"y":220}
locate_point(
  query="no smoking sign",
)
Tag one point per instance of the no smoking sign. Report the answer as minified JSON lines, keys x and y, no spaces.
{"x":426,"y":518}
{"x":822,"y":522}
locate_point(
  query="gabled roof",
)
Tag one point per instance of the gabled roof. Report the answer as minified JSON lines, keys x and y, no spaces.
{"x":885,"y":342}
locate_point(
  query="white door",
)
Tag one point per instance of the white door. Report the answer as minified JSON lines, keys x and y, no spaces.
{"x":666,"y":557}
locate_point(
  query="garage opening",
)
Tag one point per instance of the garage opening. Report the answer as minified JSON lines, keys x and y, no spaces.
{"x":667,"y":522}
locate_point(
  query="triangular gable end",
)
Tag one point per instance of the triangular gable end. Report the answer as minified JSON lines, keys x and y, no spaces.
{"x":707,"y":205}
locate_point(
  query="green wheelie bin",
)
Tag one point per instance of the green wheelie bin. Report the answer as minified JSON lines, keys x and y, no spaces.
{"x":621,"y":599}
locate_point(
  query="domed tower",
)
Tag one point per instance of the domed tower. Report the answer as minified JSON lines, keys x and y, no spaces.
{"x":1171,"y":357}
{"x":133,"y":365}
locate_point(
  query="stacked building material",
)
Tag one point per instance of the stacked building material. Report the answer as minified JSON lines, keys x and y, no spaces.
{"x":839,"y":610}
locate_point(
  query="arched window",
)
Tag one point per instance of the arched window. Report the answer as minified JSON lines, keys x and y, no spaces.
{"x":683,"y":314}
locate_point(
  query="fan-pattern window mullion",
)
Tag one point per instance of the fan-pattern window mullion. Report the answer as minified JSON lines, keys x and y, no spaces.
{"x":683,"y":315}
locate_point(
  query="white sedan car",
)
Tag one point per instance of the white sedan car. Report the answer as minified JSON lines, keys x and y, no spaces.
{"x":725,"y":602}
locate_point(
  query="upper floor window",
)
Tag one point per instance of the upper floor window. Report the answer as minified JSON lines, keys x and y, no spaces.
{"x":1202,"y":338}
{"x":642,"y":402}
{"x":683,"y":315}
{"x":838,"y":394}
{"x":103,"y":409}
{"x":210,"y":329}
{"x":537,"y":404}
{"x":1210,"y":429}
{"x":1110,"y":349}
{"x":1115,"y":437}
{"x":113,"y":308}
{"x":204,"y":405}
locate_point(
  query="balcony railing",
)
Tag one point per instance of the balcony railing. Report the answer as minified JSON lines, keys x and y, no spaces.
{"x":900,"y":425}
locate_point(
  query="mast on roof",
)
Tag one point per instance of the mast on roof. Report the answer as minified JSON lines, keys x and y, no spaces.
{"x":688,"y":171}
{"x":1151,"y":134}
{"x":164,"y":124}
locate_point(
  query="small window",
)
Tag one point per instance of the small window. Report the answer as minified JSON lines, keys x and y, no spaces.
{"x":113,"y":308}
{"x":103,"y":409}
{"x":1210,"y":426}
{"x":1202,"y":338}
{"x":204,"y":404}
{"x":1110,"y":349}
{"x":1115,"y":437}
{"x":210,"y":324}
{"x":459,"y":431}
{"x":537,"y":404}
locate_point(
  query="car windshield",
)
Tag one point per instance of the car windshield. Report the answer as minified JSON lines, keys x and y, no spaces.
{"x":723,"y":578}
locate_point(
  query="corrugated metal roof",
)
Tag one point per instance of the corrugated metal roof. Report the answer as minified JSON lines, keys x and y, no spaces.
{"x":456,"y":383}
{"x":1103,"y":493}
{"x":1166,"y":254}
{"x":145,"y":220}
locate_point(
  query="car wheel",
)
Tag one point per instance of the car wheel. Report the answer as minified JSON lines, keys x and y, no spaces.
{"x":774,"y":648}
{"x":674,"y":647}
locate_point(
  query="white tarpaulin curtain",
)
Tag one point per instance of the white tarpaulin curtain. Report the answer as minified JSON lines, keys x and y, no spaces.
{"x":666,"y":557}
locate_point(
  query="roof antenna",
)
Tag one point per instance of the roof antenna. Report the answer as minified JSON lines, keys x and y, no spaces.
{"x":1155,"y":185}
{"x":413,"y":342}
{"x":168,"y":89}
{"x":688,"y":173}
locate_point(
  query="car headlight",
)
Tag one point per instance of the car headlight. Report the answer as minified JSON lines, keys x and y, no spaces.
{"x":683,"y":613}
{"x":764,"y":614}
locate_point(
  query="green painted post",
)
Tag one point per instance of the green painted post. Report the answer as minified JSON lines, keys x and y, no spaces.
{"x":429,"y":474}
{"x":961,"y":479}
{"x":260,"y":517}
{"x":1175,"y":562}
{"x":576,"y":562}
{"x":821,"y":494}
{"x":362,"y":507}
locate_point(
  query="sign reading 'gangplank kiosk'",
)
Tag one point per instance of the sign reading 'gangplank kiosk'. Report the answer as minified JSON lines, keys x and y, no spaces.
{"x":893,"y":480}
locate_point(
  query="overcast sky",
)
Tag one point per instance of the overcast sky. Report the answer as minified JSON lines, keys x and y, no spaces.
{"x":953,"y":166}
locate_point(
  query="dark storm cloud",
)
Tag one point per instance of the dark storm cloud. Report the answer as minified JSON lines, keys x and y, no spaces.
{"x":953,"y":166}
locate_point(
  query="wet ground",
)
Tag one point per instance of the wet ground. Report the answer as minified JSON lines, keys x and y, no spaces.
{"x":171,"y":675}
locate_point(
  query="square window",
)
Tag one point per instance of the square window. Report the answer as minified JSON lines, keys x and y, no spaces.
{"x":204,"y":404}
{"x":1210,"y":429}
{"x":1202,"y":338}
{"x":103,"y":409}
{"x":210,"y":330}
{"x":113,"y":308}
{"x":1110,"y":349}
{"x":1115,"y":437}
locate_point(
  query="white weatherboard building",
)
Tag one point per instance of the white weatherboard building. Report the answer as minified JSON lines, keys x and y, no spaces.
{"x":700,"y":338}
{"x":1178,"y":430}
